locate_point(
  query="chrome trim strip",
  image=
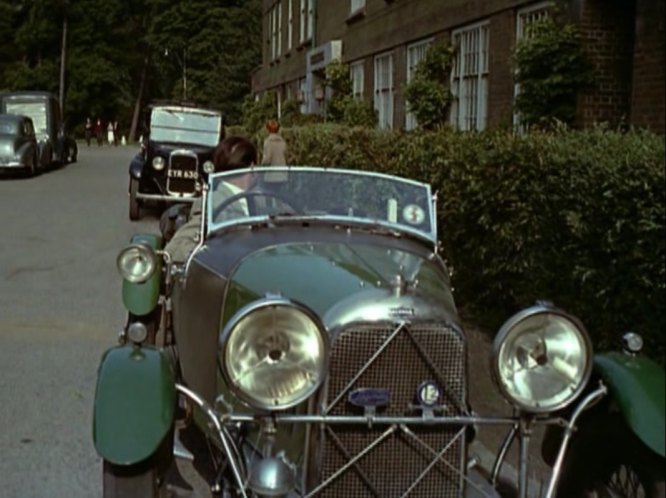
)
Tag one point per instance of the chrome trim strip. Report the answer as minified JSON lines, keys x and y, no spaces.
{"x":370,"y":420}
{"x":210,"y":412}
{"x":589,"y":400}
{"x":160,"y":197}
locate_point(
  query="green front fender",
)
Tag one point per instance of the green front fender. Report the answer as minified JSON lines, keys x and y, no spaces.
{"x":135,"y":402}
{"x":141,"y":298}
{"x":637,"y":384}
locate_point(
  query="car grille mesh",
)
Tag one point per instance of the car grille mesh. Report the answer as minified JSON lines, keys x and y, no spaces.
{"x":182,"y":173}
{"x":414,"y":355}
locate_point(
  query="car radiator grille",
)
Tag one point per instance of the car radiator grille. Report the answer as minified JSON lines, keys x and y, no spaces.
{"x":182,"y":173}
{"x":405,"y":461}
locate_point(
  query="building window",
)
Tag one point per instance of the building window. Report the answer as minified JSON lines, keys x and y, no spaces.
{"x":524,"y":19}
{"x":273,"y":21}
{"x":356,"y":73}
{"x":384,"y":90}
{"x":356,"y":5}
{"x":290,"y":24}
{"x":302,"y":95}
{"x":469,"y":78}
{"x":307,"y":20}
{"x":415,"y":54}
{"x":279,"y":28}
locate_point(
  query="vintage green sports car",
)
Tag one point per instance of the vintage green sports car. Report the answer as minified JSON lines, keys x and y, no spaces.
{"x":310,"y":346}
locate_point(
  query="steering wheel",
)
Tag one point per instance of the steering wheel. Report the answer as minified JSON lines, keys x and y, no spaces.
{"x":249,"y":194}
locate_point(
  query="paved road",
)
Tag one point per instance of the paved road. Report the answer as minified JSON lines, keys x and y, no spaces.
{"x":60,"y":309}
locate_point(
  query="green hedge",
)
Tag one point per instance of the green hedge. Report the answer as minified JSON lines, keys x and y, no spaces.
{"x":575,"y":217}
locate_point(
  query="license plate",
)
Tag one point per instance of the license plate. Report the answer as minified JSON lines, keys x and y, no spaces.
{"x":179,"y":173}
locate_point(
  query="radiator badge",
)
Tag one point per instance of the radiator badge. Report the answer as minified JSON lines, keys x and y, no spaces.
{"x":370,"y":397}
{"x":429,"y":394}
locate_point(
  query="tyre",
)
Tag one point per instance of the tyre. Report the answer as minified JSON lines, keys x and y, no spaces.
{"x":142,"y":480}
{"x":71,"y":154}
{"x":606,"y":460}
{"x":134,"y":207}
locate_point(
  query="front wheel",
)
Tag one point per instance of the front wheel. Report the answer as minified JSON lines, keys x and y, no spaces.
{"x":607,"y":460}
{"x":134,"y":207}
{"x":142,"y":480}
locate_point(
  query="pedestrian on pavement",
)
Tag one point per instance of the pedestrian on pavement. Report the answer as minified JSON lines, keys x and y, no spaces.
{"x":275,"y":147}
{"x":109,"y":133}
{"x":99,"y":131}
{"x":88,"y":130}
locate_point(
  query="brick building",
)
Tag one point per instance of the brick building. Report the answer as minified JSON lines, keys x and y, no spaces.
{"x":383,"y":40}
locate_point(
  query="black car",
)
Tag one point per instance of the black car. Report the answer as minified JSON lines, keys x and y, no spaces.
{"x":56,"y":146}
{"x":176,"y":150}
{"x":18,"y":145}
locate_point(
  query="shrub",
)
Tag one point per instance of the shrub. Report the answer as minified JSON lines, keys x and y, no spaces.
{"x":576,"y":217}
{"x":550,"y":67}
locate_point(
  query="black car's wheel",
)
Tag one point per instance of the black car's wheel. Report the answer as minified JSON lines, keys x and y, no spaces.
{"x":606,"y":460}
{"x":134,"y":206}
{"x":71,"y":153}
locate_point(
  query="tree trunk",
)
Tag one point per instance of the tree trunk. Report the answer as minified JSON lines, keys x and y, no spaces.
{"x":137,"y":105}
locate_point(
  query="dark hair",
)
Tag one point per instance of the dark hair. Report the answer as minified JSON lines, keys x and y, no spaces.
{"x":234,"y":152}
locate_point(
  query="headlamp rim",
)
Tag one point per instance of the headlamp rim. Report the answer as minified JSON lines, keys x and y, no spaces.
{"x":500,"y":340}
{"x":267,"y":302}
{"x":150,"y":254}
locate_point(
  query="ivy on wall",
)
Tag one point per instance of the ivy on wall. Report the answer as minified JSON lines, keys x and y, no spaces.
{"x":550,"y":68}
{"x":428,"y":93}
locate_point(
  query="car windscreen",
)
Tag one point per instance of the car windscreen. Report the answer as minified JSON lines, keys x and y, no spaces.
{"x":34,"y":110}
{"x":178,"y":126}
{"x":296,"y":192}
{"x":8,"y":127}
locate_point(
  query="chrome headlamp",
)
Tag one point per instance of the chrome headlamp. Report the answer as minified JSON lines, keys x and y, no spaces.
{"x":137,"y":262}
{"x":208,"y":167}
{"x":274,"y":353}
{"x":542,"y":359}
{"x":158,"y":163}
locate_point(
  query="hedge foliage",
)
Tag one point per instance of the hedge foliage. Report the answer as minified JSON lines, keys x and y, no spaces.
{"x":574,"y":217}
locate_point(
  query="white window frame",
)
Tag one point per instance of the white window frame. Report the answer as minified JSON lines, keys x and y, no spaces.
{"x":357,"y":76}
{"x":307,"y":20}
{"x":469,"y":77}
{"x":415,"y":54}
{"x":304,"y":96}
{"x":524,"y":17}
{"x":273,"y":26}
{"x":356,"y":5}
{"x":384,"y":90}
{"x":278,"y":7}
{"x":290,"y":24}
{"x":310,"y":26}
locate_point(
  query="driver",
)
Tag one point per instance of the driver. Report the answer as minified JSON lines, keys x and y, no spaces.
{"x":232,"y":153}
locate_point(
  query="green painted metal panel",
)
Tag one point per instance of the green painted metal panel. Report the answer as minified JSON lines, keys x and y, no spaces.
{"x":134,"y":406}
{"x":141,"y":299}
{"x":321,"y":275}
{"x":638,"y":385}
